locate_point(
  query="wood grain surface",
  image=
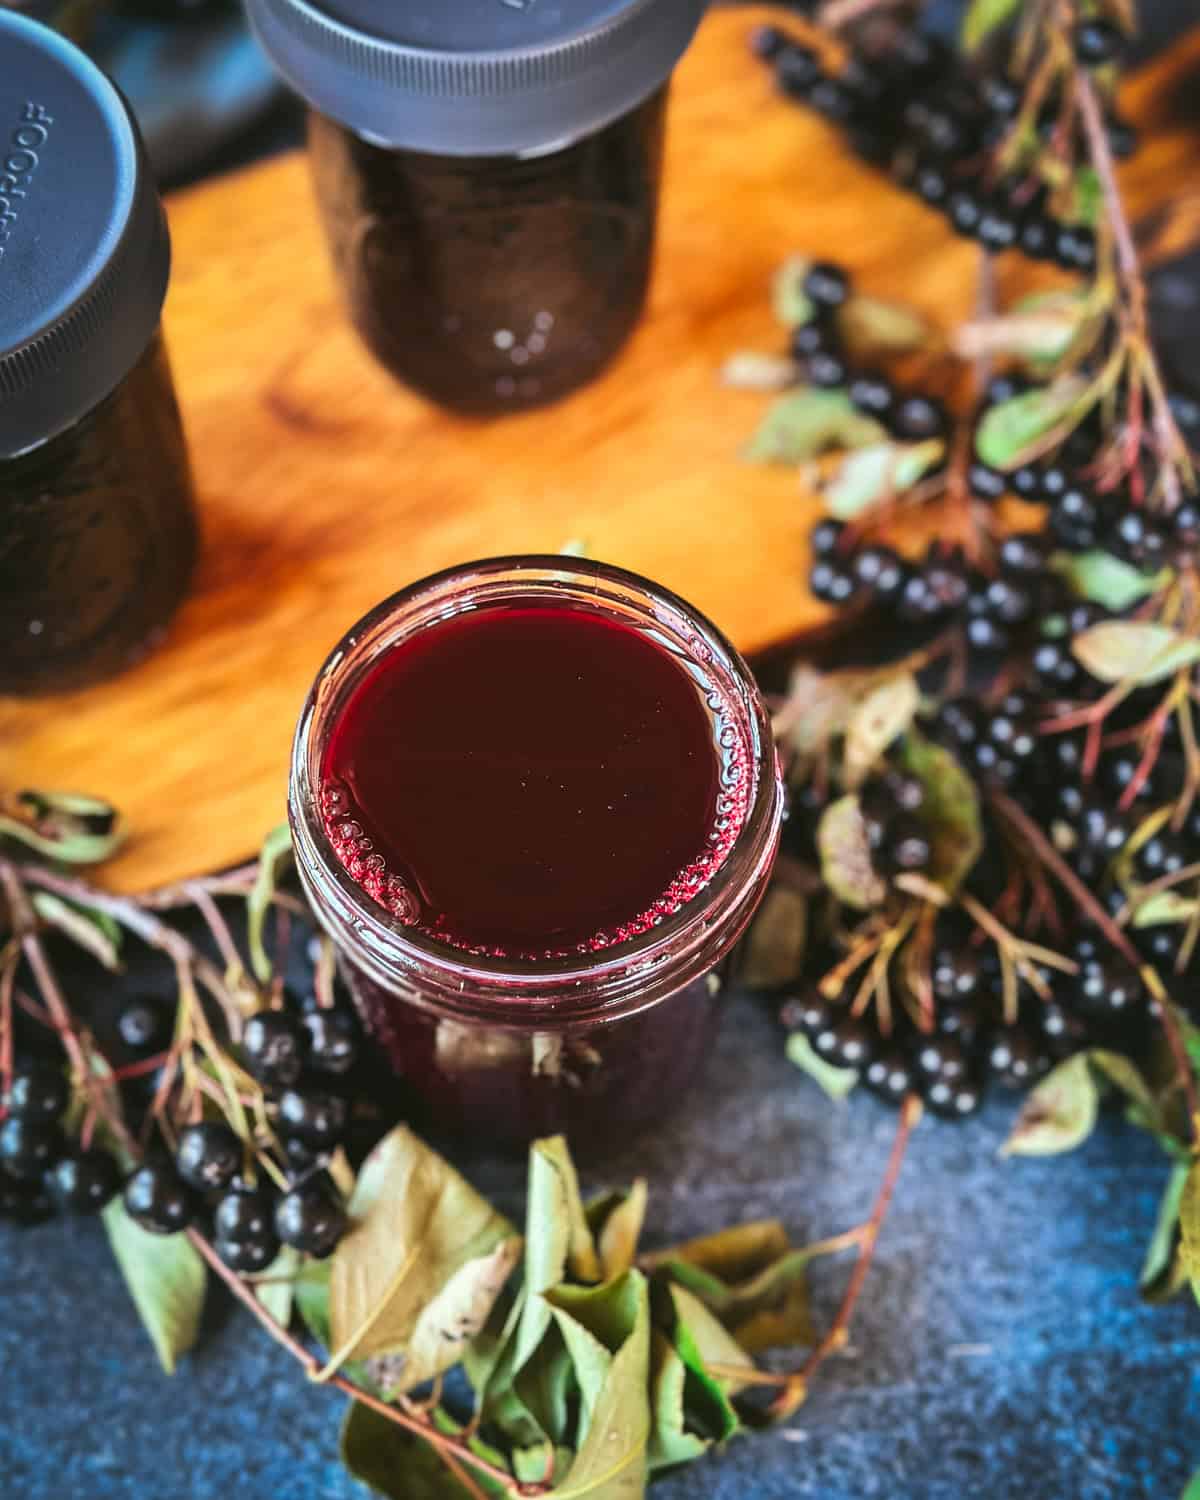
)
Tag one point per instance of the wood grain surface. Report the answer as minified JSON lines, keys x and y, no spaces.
{"x":324,"y":486}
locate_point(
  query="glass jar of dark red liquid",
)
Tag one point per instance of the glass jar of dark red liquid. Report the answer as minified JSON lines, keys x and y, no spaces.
{"x":535,"y":801}
{"x":97,"y":530}
{"x":488,"y":173}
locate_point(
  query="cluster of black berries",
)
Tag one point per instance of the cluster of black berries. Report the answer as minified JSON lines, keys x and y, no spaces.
{"x":300,"y":1060}
{"x":1001,"y":609}
{"x":918,"y":111}
{"x":972,"y":1045}
{"x":39,"y":1167}
{"x":896,"y":834}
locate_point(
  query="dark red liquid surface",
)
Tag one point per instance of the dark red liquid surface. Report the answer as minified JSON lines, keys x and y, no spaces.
{"x":529,"y":781}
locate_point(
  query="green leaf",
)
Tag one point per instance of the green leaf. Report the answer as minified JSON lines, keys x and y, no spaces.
{"x":558,"y":1236}
{"x":880,"y":717}
{"x":1165,"y":908}
{"x":671,"y":1442}
{"x":311,"y":1297}
{"x":788,"y":298}
{"x":1059,"y":1114}
{"x":983,"y":17}
{"x":1135,"y":651}
{"x":90,"y":930}
{"x":702,"y":1340}
{"x":1014,"y":431}
{"x":772,"y":952}
{"x":272,"y":861}
{"x":951,"y":810}
{"x":837,"y":1082}
{"x":807,"y":422}
{"x":1193,"y":1490}
{"x":748,"y":370}
{"x":818,"y":706}
{"x":63,"y":826}
{"x":1107,"y":580}
{"x":558,"y":1242}
{"x":1087,"y":196}
{"x":276,"y":1292}
{"x":846,"y":864}
{"x":423,"y":1265}
{"x":1040,"y":330}
{"x":1162,"y":1271}
{"x":1123,"y":1074}
{"x":877,"y":473}
{"x":871,"y":328}
{"x":400,"y":1465}
{"x":611,"y":1462}
{"x":1189,"y":1226}
{"x":691,"y":1406}
{"x":166,"y":1279}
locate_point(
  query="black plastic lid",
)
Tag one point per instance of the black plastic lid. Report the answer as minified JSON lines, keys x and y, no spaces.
{"x":84,"y":253}
{"x":475,"y":77}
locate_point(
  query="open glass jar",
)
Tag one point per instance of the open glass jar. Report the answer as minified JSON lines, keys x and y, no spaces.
{"x":601,"y":1037}
{"x":488,"y":179}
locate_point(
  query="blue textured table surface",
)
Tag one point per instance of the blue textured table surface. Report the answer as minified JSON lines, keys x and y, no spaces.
{"x":1000,"y":1348}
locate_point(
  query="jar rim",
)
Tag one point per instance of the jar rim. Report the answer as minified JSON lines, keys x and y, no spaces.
{"x":612,"y":981}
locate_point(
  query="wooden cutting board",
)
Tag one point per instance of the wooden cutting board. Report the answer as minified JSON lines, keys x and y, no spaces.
{"x":324,"y":486}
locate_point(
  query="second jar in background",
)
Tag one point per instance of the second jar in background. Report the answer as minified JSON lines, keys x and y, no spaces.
{"x":488,"y":179}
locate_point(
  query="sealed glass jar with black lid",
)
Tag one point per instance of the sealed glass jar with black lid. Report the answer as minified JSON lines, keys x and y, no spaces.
{"x":97,"y":528}
{"x":488,"y":173}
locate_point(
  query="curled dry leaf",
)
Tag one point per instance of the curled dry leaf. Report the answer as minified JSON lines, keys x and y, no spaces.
{"x":1015,"y":431}
{"x":837,"y":1082}
{"x":748,"y":370}
{"x":846,"y":856}
{"x":1039,"y":330}
{"x":882,"y":716}
{"x":788,"y":298}
{"x":876,"y":474}
{"x":423,"y":1265}
{"x":94,"y":932}
{"x":808,"y":422}
{"x":63,"y":826}
{"x":872,"y":328}
{"x":1059,"y":1114}
{"x":1107,"y":580}
{"x":1135,"y":651}
{"x":1165,"y":907}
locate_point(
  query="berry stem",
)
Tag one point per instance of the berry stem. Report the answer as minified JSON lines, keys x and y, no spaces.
{"x":308,"y":1361}
{"x":9,"y":962}
{"x":1096,"y":913}
{"x":137,"y":915}
{"x":24,"y":921}
{"x":217,"y":925}
{"x":1172,"y":449}
{"x":796,"y":1386}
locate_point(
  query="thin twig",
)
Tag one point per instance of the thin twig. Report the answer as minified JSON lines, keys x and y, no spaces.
{"x":1096,"y":913}
{"x":796,"y":1387}
{"x":24,"y":921}
{"x":1173,"y":449}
